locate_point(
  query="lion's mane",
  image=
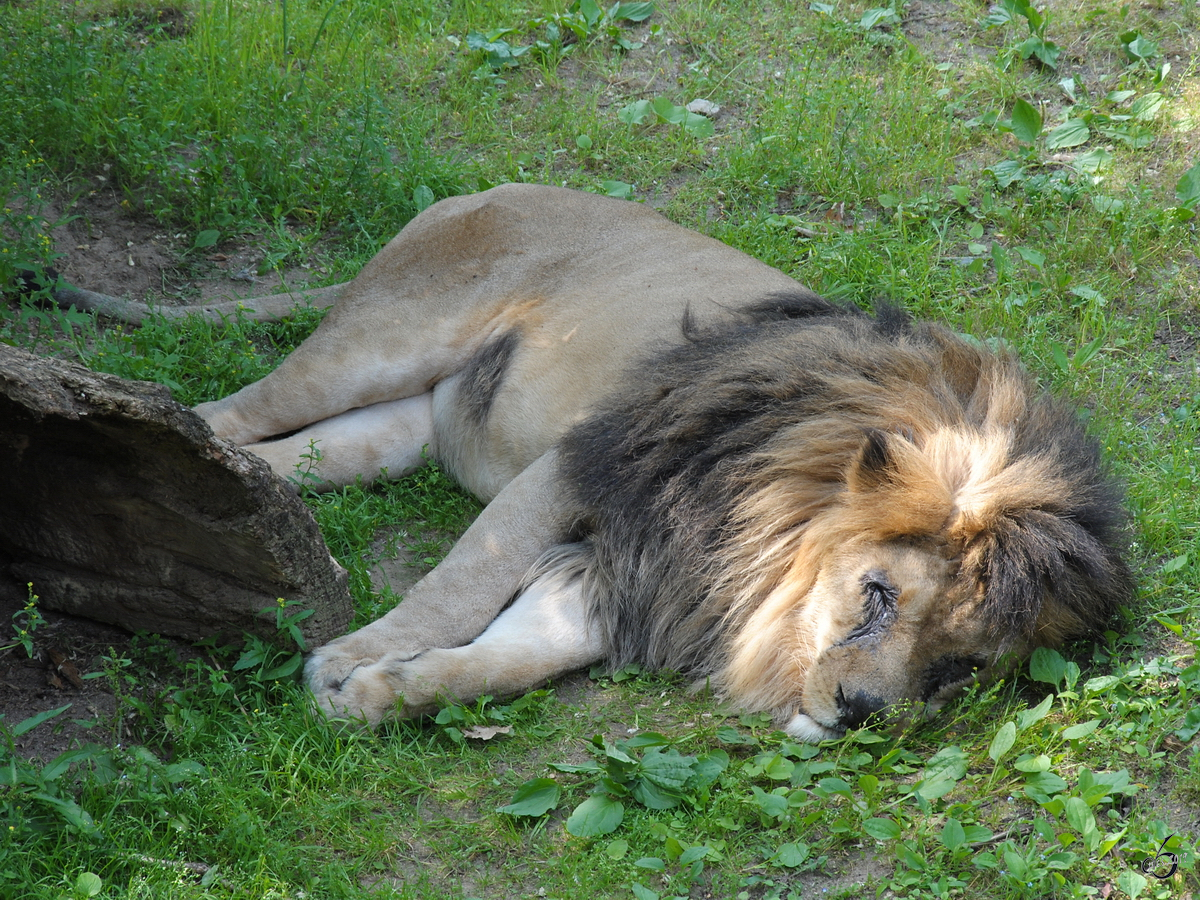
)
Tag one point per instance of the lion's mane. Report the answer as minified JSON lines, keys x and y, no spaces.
{"x":711,"y":488}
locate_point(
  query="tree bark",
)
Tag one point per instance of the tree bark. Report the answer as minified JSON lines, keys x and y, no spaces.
{"x":119,"y":504}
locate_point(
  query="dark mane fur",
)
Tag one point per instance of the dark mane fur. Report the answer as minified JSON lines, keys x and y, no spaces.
{"x":780,"y":398}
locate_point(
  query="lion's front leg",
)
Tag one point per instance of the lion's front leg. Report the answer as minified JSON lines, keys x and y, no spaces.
{"x":545,"y":632}
{"x":452,"y":605}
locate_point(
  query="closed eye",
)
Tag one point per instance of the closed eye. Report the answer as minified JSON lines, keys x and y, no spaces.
{"x":879,"y":597}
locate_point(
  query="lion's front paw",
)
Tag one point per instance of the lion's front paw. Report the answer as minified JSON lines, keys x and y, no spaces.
{"x":348,"y":688}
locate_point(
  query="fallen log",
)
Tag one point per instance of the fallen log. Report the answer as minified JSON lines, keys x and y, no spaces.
{"x":119,"y":504}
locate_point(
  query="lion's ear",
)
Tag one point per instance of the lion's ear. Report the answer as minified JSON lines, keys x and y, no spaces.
{"x":875,"y":465}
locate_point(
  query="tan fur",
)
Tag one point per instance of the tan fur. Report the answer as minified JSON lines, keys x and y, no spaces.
{"x":581,"y":288}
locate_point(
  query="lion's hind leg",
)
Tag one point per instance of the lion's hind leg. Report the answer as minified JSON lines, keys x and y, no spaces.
{"x":362,"y":442}
{"x":545,"y":632}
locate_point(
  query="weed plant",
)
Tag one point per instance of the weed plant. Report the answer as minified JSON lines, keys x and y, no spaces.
{"x":1025,"y":172}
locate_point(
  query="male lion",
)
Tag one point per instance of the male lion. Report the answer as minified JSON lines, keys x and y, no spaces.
{"x":691,"y":462}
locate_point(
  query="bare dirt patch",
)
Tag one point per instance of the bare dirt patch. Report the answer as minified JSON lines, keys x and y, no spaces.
{"x":107,"y":244}
{"x":66,"y":648}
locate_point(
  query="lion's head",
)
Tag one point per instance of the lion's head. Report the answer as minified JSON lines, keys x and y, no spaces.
{"x":946,"y":549}
{"x":831,"y":515}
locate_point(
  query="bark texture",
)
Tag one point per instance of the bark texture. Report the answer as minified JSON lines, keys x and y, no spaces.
{"x":120,"y":504}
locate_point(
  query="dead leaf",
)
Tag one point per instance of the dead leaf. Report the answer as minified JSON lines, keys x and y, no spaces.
{"x":486,"y":732}
{"x":1106,"y":891}
{"x":1172,"y":744}
{"x":64,"y":667}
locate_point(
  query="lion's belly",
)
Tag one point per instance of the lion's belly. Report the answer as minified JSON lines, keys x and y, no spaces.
{"x":556,"y":376}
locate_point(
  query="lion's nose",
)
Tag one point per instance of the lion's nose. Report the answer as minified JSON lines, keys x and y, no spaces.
{"x":855,"y":709}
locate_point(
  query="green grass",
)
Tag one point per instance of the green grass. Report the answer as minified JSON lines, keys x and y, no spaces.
{"x":867,"y":165}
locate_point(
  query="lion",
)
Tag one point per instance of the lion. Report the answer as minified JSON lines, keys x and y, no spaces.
{"x":689,"y":461}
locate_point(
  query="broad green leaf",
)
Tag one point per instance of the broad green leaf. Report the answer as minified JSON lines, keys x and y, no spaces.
{"x":691,"y":854}
{"x":1047,"y":665}
{"x":667,"y":111}
{"x":1095,"y":786}
{"x":598,"y":814}
{"x":1174,"y":564}
{"x":953,"y":834}
{"x":668,"y":769}
{"x":1016,"y":865}
{"x":1080,"y":817}
{"x":949,"y":762}
{"x":1132,"y":883}
{"x":1061,"y":860}
{"x":1093,"y":161}
{"x":1101,"y":684}
{"x":1110,"y":840}
{"x":882,"y":829}
{"x":836,"y":786}
{"x":1075,"y":732}
{"x":422,"y":197}
{"x":617,"y":760}
{"x":697,"y":126}
{"x":1148,"y":106}
{"x":911,"y":858}
{"x":977,"y":834}
{"x":961,"y":194}
{"x":206,"y":238}
{"x":1035,"y":258}
{"x":619,"y":189}
{"x":1036,"y":714}
{"x":1187,"y":191}
{"x":643,"y":740}
{"x":1005,"y":737}
{"x":779,"y":768}
{"x":790,"y":855}
{"x":633,"y":12}
{"x":285,"y":669}
{"x":88,"y":884}
{"x":652,"y":796}
{"x":69,"y":810}
{"x":1026,"y":122}
{"x":942,"y":773}
{"x":878,"y":16}
{"x":1006,"y":172}
{"x":1047,"y":52}
{"x":1046,"y":783}
{"x":591,"y":11}
{"x":639,"y":112}
{"x":773,"y":805}
{"x":584,"y":769}
{"x":1071,"y":133}
{"x":707,"y":769}
{"x":535,"y":797}
{"x":643,"y":893}
{"x":1040,"y":763}
{"x":617,"y":849}
{"x":1137,"y":47}
{"x":727,"y":734}
{"x":653,"y":863}
{"x":1191,"y":725}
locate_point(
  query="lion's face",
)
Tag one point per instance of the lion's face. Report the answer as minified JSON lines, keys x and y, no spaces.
{"x":887,"y":623}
